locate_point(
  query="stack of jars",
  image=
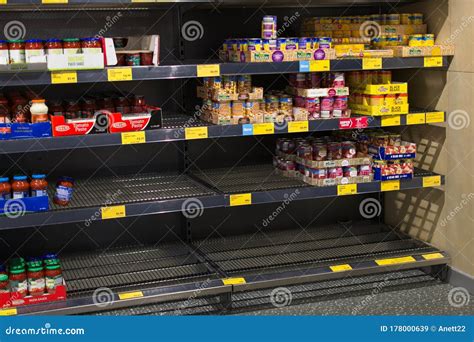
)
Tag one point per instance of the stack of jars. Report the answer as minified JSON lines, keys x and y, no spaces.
{"x":20,"y":187}
{"x":35,"y":277}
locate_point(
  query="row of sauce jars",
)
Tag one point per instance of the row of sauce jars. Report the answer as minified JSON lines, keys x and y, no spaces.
{"x":35,"y":277}
{"x":18,"y":51}
{"x":20,"y":187}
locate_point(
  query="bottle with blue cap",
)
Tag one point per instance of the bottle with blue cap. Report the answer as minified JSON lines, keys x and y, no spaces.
{"x":39,"y":185}
{"x":5,"y":189}
{"x":20,"y":187}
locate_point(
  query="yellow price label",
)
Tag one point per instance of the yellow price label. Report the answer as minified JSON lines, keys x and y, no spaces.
{"x":432,"y":256}
{"x":117,"y":211}
{"x":391,"y":120}
{"x":395,"y":261}
{"x":431,"y":181}
{"x":234,"y":281}
{"x":433,"y":62}
{"x":263,"y":128}
{"x":54,"y":1}
{"x":133,"y":138}
{"x":196,"y":133}
{"x":298,"y":126}
{"x":340,"y":268}
{"x":61,"y":77}
{"x":8,"y":312}
{"x":392,"y":185}
{"x":416,"y":119}
{"x":346,"y":189}
{"x":130,"y":295}
{"x":119,"y":74}
{"x":321,"y":65}
{"x":208,"y":70}
{"x":240,"y":199}
{"x":3,"y":2}
{"x":371,"y":63}
{"x":434,"y":117}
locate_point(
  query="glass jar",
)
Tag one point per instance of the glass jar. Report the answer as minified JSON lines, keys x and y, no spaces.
{"x":53,"y":273}
{"x":132,"y":59}
{"x":33,"y":48}
{"x":138,"y":104}
{"x":17,"y":51}
{"x":71,"y":46}
{"x":4,"y":51}
{"x":39,"y":111}
{"x":17,"y":278}
{"x":5,"y":189}
{"x":20,"y":187}
{"x":91,"y":45}
{"x":4,"y":111}
{"x":64,"y":190}
{"x":54,"y":47}
{"x":55,"y":107}
{"x":19,"y":109}
{"x":71,"y":109}
{"x":35,"y":273}
{"x":146,"y":58}
{"x":38,"y":185}
{"x":88,"y":108}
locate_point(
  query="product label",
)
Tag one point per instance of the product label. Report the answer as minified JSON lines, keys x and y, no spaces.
{"x":18,"y":286}
{"x":17,"y":56}
{"x":72,"y":51}
{"x":233,"y":281}
{"x":263,"y":128}
{"x":6,"y":196}
{"x":33,"y":53}
{"x":119,"y":74}
{"x":392,"y":185}
{"x":240,"y":199}
{"x":298,"y":126}
{"x":54,"y":51}
{"x":64,"y":193}
{"x":208,"y":70}
{"x":433,"y":62}
{"x":130,"y":295}
{"x":117,"y":211}
{"x":20,"y":194}
{"x":416,"y":119}
{"x":8,"y":312}
{"x":36,"y":285}
{"x":39,"y":193}
{"x":92,"y":50}
{"x":372,"y":63}
{"x":195,"y":133}
{"x":323,"y":65}
{"x":390,"y":120}
{"x":53,"y":282}
{"x":60,"y":77}
{"x":434,"y":117}
{"x":431,"y":181}
{"x":133,"y":138}
{"x":347,"y":189}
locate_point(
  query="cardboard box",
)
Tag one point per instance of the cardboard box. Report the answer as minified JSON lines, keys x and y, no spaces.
{"x":25,"y":130}
{"x":150,"y":43}
{"x":337,"y":181}
{"x":8,"y":300}
{"x":319,"y":92}
{"x":279,"y":55}
{"x":334,"y":163}
{"x":384,"y":89}
{"x":19,"y":207}
{"x":379,"y":110}
{"x":422,"y":51}
{"x":406,"y":150}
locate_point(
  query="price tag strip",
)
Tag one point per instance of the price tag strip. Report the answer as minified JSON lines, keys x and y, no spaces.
{"x":133,"y":138}
{"x":62,"y":77}
{"x":113,"y":212}
{"x":431,"y":181}
{"x":8,"y":312}
{"x":392,"y":185}
{"x":298,"y":126}
{"x":395,"y":261}
{"x":191,"y":133}
{"x":208,"y":70}
{"x":340,"y":268}
{"x":432,"y":256}
{"x":346,"y":189}
{"x":433,"y":62}
{"x":434,"y":117}
{"x":240,"y":199}
{"x":415,"y":119}
{"x":130,"y":295}
{"x":234,"y":281}
{"x":371,"y":63}
{"x":119,"y":74}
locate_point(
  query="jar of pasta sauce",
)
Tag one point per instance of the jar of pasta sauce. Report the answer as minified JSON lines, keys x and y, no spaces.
{"x":4,"y":110}
{"x":34,"y":48}
{"x":4,"y":283}
{"x":18,"y":278}
{"x":88,"y":108}
{"x":91,"y":45}
{"x":4,"y":50}
{"x":71,"y":46}
{"x":38,"y":185}
{"x":64,"y":190}
{"x":20,"y":187}
{"x":53,"y":273}
{"x":55,"y":107}
{"x":72,"y":109}
{"x":19,"y":109}
{"x":5,"y":189}
{"x":17,"y":51}
{"x":319,"y":151}
{"x":348,"y":149}
{"x":36,"y":281}
{"x":54,"y":47}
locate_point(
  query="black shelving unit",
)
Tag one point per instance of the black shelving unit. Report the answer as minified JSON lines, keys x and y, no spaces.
{"x":216,"y":271}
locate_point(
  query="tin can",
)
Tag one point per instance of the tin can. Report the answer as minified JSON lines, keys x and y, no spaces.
{"x":304,"y":151}
{"x":314,"y":42}
{"x":318,"y":173}
{"x":319,"y":151}
{"x":405,"y":18}
{"x":335,"y":172}
{"x":364,"y":170}
{"x":417,"y":18}
{"x":281,"y":43}
{"x":254,"y":44}
{"x":325,"y":42}
{"x":392,"y":19}
{"x":304,"y":43}
{"x":349,"y":171}
{"x":291,"y":44}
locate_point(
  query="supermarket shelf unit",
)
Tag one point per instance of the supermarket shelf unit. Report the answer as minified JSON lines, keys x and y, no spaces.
{"x":175,"y":127}
{"x":217,"y":267}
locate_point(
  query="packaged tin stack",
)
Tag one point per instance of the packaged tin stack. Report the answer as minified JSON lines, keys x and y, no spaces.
{"x":325,"y":161}
{"x":392,"y":157}
{"x":374,"y":93}
{"x":319,"y":95}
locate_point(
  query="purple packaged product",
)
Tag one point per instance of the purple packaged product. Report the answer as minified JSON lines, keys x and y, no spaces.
{"x":304,"y":43}
{"x":292,"y":44}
